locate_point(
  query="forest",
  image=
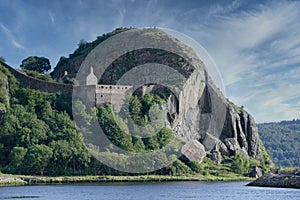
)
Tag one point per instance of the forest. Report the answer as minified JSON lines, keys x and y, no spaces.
{"x":282,"y":140}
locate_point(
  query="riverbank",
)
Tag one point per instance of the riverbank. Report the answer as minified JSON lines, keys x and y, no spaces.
{"x":11,"y":180}
{"x":24,"y":180}
{"x":283,"y":179}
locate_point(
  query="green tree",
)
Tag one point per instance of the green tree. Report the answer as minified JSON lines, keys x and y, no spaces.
{"x":135,"y":109}
{"x":34,"y":63}
{"x":3,"y":89}
{"x":240,"y":164}
{"x":62,"y":154}
{"x":2,"y":59}
{"x":151,"y":143}
{"x":138,"y":144}
{"x":164,"y":137}
{"x":16,"y":158}
{"x":114,"y":133}
{"x":82,"y":44}
{"x":37,"y":158}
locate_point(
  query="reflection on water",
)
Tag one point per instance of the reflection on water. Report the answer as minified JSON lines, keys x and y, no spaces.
{"x":21,"y":197}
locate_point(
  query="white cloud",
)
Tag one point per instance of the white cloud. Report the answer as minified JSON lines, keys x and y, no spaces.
{"x":257,"y":49}
{"x":219,"y":9}
{"x":258,"y":53}
{"x":52,"y":18}
{"x":11,"y":37}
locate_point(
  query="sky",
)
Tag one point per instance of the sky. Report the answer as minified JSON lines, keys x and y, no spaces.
{"x":254,"y":44}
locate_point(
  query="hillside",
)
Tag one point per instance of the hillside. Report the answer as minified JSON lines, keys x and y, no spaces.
{"x":282,"y":140}
{"x":38,"y":134}
{"x":72,"y":63}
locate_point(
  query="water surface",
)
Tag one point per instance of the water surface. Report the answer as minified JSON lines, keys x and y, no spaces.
{"x":149,"y":191}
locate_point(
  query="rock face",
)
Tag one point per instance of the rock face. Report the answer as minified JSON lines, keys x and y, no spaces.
{"x":197,"y":110}
{"x":240,"y":133}
{"x":201,"y":115}
{"x":256,"y":172}
{"x":222,"y":128}
{"x":286,"y":180}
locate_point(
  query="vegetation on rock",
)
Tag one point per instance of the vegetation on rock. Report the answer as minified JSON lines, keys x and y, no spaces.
{"x":73,"y":62}
{"x":38,"y":136}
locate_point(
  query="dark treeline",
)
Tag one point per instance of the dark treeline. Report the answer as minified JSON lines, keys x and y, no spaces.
{"x":282,"y":141}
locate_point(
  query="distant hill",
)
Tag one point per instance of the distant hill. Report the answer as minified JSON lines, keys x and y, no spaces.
{"x":282,"y":140}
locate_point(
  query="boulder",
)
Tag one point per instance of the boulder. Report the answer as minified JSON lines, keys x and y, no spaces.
{"x":194,"y":150}
{"x":256,"y":172}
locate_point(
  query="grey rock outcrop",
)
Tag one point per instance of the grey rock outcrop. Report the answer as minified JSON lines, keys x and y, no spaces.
{"x":222,"y":128}
{"x":256,"y":172}
{"x":197,"y":111}
{"x":201,"y":114}
{"x":285,"y":180}
{"x":194,"y":150}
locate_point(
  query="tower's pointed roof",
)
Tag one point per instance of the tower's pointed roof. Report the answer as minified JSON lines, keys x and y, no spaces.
{"x":91,"y":79}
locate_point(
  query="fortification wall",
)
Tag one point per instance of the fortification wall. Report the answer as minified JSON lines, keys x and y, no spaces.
{"x":95,"y":94}
{"x":38,"y":84}
{"x":113,"y":94}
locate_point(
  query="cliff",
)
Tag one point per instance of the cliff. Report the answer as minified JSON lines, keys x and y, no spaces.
{"x":196,"y":111}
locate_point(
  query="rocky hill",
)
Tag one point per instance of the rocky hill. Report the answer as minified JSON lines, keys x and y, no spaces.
{"x":71,"y":65}
{"x":212,"y":126}
{"x":196,"y":111}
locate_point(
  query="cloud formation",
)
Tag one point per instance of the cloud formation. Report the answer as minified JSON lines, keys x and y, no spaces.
{"x":12,"y":39}
{"x":255,"y":45}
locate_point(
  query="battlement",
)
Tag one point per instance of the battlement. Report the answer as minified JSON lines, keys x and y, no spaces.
{"x":113,"y":88}
{"x":113,"y":94}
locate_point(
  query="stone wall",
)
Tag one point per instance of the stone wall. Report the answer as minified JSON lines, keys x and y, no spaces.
{"x":96,"y":94}
{"x":38,"y":84}
{"x":113,"y":94}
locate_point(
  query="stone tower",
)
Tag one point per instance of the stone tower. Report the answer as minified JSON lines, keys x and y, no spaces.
{"x":91,"y":79}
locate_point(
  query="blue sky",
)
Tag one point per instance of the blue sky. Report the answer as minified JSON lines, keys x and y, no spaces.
{"x":255,"y":45}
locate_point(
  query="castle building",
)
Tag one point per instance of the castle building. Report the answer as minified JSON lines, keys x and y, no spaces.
{"x":112,"y":94}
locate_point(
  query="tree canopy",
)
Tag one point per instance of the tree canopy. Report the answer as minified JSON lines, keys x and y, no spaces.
{"x":2,"y":59}
{"x":282,"y":141}
{"x":35,"y":63}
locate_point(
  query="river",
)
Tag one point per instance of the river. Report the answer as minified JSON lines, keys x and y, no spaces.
{"x":149,"y":191}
